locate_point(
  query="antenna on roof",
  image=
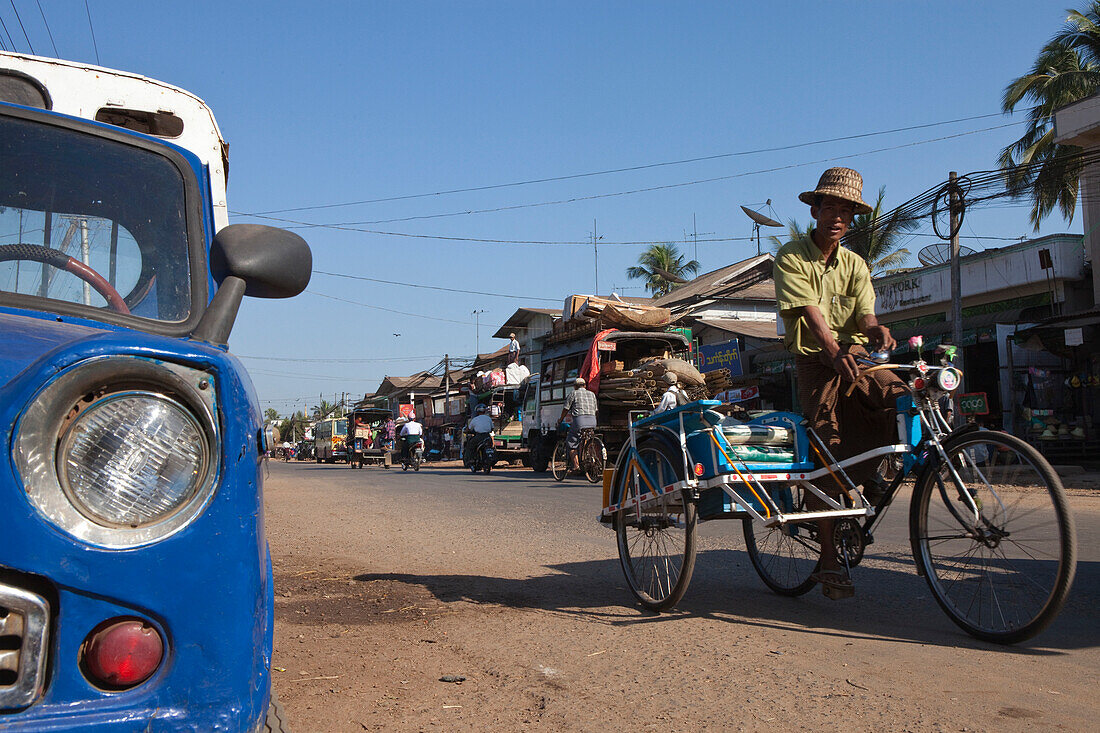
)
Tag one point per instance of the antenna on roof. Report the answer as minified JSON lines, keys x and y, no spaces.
{"x":759,"y":220}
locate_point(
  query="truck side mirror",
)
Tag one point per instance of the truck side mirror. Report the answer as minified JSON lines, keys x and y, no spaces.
{"x":255,"y":260}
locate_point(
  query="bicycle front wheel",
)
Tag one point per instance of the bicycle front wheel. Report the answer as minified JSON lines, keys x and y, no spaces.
{"x":593,"y":460}
{"x":657,"y":542}
{"x":993,"y":536}
{"x":559,"y":461}
{"x":785,"y":556}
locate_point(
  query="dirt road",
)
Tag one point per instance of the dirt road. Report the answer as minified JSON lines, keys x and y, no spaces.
{"x":387,"y":584}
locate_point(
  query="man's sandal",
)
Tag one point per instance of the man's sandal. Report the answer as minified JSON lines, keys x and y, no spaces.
{"x":834,"y":584}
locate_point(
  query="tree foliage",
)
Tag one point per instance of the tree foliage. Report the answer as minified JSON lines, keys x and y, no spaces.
{"x":877,"y":237}
{"x":660,"y":257}
{"x":1066,"y":70}
{"x":794,"y":231}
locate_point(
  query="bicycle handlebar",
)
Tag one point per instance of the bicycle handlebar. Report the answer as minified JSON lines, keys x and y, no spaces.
{"x":878,"y":366}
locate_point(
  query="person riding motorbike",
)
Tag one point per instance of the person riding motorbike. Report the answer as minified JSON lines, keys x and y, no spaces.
{"x":412,"y":433}
{"x":480,"y":428}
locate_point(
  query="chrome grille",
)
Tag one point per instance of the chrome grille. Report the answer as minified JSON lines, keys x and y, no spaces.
{"x":24,"y":621}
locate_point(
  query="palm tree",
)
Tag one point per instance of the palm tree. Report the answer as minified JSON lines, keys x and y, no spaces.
{"x":322,"y":410}
{"x":1066,"y":71}
{"x":794,"y":231}
{"x":876,"y":237}
{"x":294,"y":426}
{"x":662,"y":267}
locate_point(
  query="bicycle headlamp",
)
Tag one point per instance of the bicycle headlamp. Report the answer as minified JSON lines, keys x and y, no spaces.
{"x":132,"y":458}
{"x":948,"y":379}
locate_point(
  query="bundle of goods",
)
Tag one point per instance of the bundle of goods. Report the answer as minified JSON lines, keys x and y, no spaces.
{"x":759,"y":443}
{"x":718,"y":380}
{"x":642,"y":387}
{"x":495,"y":378}
{"x":628,"y":316}
{"x":516,"y":374}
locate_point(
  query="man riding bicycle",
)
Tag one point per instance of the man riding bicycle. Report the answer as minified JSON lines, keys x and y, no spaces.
{"x":581,"y":407}
{"x":827,"y":304}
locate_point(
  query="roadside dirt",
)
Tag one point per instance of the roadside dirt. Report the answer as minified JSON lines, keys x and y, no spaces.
{"x":422,"y":624}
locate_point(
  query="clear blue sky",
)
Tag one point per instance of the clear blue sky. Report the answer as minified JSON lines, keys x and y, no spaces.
{"x":334,"y":102}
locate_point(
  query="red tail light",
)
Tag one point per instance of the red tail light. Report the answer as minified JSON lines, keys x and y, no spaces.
{"x":122,"y":653}
{"x":699,"y":469}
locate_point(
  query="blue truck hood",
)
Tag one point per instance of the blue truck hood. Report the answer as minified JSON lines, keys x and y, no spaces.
{"x":26,"y":340}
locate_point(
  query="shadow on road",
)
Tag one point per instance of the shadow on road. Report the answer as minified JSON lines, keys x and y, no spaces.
{"x":892,"y":601}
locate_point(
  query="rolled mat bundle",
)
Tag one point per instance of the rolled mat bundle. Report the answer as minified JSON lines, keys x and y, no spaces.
{"x":643,"y":386}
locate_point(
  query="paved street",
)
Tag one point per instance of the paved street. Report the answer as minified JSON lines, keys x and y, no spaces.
{"x":387,"y":582}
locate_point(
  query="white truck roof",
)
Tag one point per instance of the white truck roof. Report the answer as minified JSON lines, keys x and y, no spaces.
{"x":85,"y":91}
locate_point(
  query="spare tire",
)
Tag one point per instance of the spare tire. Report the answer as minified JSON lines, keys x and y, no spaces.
{"x":688,"y":375}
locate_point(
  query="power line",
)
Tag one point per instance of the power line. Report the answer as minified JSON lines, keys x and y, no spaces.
{"x":18,"y":18}
{"x":48,"y":31}
{"x":628,"y":169}
{"x":350,"y":226}
{"x":387,"y":310}
{"x":434,"y":287}
{"x":90,"y":28}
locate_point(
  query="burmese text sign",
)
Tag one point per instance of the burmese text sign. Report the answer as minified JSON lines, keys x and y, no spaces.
{"x":721,"y":356}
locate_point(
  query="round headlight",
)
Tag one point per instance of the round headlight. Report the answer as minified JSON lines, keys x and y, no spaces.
{"x":948,"y":380}
{"x":132,"y":458}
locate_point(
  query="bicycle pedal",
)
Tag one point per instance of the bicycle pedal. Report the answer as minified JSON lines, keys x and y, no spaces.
{"x":834,"y":593}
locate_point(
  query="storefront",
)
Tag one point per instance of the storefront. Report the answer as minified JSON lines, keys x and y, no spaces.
{"x":1003,"y":290}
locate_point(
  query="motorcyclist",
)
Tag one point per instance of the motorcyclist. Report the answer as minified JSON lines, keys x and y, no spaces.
{"x":481,"y":428}
{"x":412,"y":433}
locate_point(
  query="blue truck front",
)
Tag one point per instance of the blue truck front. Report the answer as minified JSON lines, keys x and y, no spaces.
{"x":135,"y":578}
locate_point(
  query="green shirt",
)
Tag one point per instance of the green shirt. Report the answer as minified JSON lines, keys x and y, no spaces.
{"x":840,"y":288}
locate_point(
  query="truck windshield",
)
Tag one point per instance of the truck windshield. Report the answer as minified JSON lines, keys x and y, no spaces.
{"x":89,"y":225}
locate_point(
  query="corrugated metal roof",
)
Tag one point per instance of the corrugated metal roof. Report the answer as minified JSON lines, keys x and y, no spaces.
{"x":766,"y":330}
{"x":723,"y":280}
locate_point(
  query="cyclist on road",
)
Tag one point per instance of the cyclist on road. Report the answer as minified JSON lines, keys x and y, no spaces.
{"x":827,"y":304}
{"x":581,"y":406}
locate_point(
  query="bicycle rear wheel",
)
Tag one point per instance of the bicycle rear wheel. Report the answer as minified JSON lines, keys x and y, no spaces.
{"x":593,"y":459}
{"x":1005,"y":575}
{"x":656,"y":544}
{"x":559,"y":461}
{"x":785,"y":556}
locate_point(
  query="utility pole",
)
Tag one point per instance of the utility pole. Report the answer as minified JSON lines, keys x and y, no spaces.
{"x":596,"y":253}
{"x":477,"y":331}
{"x":446,"y":384}
{"x":956,"y":273}
{"x":695,"y":237}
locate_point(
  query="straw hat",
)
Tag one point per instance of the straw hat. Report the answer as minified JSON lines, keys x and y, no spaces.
{"x":844,"y":183}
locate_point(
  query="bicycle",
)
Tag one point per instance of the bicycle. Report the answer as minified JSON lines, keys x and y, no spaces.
{"x":990,"y":528}
{"x":591,"y":455}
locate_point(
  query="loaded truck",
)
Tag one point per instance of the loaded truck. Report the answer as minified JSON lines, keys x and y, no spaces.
{"x":563,"y":356}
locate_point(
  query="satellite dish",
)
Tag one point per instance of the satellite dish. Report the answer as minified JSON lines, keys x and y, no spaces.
{"x":667,"y":275}
{"x":759,"y":218}
{"x":940,"y":254}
